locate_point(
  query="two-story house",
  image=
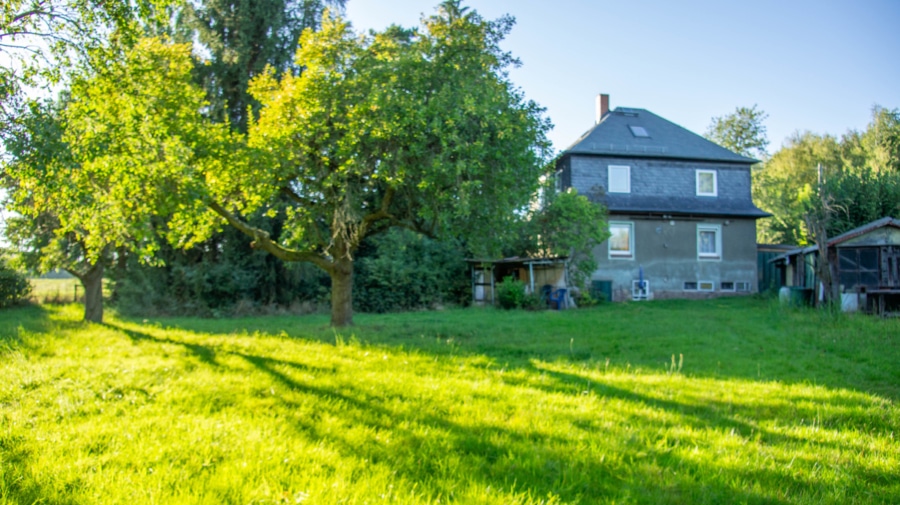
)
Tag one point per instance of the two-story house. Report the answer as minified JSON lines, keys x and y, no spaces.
{"x":682,"y":219}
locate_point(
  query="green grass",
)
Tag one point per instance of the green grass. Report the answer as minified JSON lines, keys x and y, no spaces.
{"x":467,"y":406}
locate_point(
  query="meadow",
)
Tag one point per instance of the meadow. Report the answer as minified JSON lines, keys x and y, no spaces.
{"x":719,"y":401}
{"x":56,"y":290}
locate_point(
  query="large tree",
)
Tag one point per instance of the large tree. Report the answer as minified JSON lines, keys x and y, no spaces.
{"x":80,"y":172}
{"x":743,"y":131}
{"x":239,"y":39}
{"x":859,"y":180}
{"x":40,"y":40}
{"x":419,"y":129}
{"x":233,"y":41}
{"x":778,"y":185}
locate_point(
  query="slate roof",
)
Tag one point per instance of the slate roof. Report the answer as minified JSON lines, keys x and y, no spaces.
{"x":612,"y":136}
{"x":683,"y":206}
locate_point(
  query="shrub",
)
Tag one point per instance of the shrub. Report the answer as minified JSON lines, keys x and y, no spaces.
{"x":14,"y":287}
{"x":511,"y":293}
{"x":401,"y":270}
{"x":585,"y":299}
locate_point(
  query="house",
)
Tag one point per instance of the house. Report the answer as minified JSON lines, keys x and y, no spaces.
{"x":682,"y":219}
{"x":865,"y":264}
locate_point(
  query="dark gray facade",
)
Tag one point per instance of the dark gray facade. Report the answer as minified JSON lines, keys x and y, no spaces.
{"x":680,"y":207}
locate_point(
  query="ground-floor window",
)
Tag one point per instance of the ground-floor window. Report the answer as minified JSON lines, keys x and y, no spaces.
{"x":621,"y":240}
{"x":709,"y":241}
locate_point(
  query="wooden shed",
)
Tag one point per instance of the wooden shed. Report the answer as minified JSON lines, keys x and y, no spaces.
{"x":865,"y":263}
{"x":537,"y":273}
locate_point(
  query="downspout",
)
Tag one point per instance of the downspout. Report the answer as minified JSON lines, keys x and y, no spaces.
{"x":531,"y":276}
{"x":474,"y":289}
{"x":492,"y":284}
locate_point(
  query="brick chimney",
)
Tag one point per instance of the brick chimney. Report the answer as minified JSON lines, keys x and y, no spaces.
{"x":602,"y":106}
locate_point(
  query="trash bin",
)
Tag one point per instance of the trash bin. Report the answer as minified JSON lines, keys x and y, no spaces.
{"x":801,"y":297}
{"x":601,"y":290}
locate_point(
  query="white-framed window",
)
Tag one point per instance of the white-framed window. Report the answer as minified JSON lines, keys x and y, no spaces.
{"x":709,"y":241}
{"x":619,"y":179}
{"x":706,"y":286}
{"x":690,"y":286}
{"x":707,"y":183}
{"x":621,"y":240}
{"x":742,"y":287}
{"x":726,"y":286}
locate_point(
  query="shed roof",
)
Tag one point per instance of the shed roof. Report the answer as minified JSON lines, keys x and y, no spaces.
{"x":843,"y":237}
{"x":866,"y":228}
{"x":621,"y":131}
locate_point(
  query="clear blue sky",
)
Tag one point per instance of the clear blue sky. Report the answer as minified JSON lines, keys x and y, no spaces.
{"x":811,"y":65}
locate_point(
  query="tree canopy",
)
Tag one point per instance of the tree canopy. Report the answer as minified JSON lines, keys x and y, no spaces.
{"x":416,"y":128}
{"x":860,"y":174}
{"x":238,"y":39}
{"x":743,"y":131}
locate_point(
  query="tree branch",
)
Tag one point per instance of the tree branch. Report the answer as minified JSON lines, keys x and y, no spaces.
{"x":262,"y":240}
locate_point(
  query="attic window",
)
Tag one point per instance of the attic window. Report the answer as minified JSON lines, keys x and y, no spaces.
{"x":639,"y":131}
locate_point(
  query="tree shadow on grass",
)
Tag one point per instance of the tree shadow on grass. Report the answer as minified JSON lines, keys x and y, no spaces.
{"x":767,"y":344}
{"x":424,"y":439}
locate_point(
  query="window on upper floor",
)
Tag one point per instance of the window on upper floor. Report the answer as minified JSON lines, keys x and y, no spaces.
{"x":619,"y":179}
{"x":621,"y":240}
{"x":707,"y":185}
{"x":709,"y":241}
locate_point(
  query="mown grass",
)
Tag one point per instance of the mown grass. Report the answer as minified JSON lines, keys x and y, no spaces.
{"x":466,"y":406}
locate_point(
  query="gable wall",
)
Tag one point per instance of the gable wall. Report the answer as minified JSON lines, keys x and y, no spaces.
{"x":667,"y":251}
{"x":658,"y":177}
{"x":881,"y":236}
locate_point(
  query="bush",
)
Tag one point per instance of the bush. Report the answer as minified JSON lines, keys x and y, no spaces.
{"x":401,"y":270}
{"x":585,"y":300}
{"x":14,"y":287}
{"x":511,"y":293}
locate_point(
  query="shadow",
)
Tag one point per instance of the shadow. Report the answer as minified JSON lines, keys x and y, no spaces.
{"x":206,"y":354}
{"x":30,"y":319}
{"x":426,"y":434}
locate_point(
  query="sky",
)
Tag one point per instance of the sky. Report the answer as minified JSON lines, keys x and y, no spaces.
{"x":816,"y":66}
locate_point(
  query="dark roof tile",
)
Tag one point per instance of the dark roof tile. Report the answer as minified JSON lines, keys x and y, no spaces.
{"x":613,"y":136}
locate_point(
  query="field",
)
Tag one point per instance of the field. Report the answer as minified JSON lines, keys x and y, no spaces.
{"x":56,"y":290}
{"x":720,"y":401}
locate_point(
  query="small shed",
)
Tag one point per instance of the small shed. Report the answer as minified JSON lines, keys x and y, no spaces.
{"x":865,"y":263}
{"x":536,"y":273}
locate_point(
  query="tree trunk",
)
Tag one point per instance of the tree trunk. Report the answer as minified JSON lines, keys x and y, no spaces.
{"x":92,"y":281}
{"x":342,"y":292}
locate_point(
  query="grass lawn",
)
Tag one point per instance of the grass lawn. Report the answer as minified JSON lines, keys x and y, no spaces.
{"x":721,"y":401}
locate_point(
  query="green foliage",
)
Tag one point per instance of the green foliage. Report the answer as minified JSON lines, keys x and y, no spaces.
{"x":743,"y":131}
{"x":14,"y":286}
{"x":42,"y":41}
{"x":860,"y":174}
{"x":402,"y":270}
{"x":862,"y":196}
{"x":417,"y":129}
{"x":218,"y":277}
{"x":237,"y":39}
{"x":242,"y":38}
{"x":778,"y":185}
{"x":585,"y":300}
{"x":463,"y":406}
{"x":568,"y":224}
{"x":510,"y":293}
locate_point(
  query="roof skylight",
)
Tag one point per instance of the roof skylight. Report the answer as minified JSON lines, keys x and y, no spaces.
{"x":638,"y":131}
